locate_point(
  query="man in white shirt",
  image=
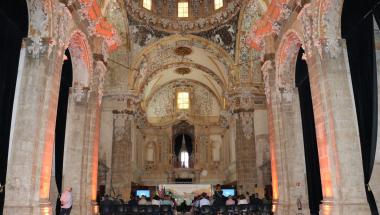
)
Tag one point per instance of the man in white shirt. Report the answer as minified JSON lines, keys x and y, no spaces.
{"x":142,"y":201}
{"x":204,"y":200}
{"x":66,"y":201}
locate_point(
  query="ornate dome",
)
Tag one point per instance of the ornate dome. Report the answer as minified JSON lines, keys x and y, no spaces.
{"x":187,"y":16}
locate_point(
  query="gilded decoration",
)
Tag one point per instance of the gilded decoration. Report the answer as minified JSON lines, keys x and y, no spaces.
{"x":202,"y":15}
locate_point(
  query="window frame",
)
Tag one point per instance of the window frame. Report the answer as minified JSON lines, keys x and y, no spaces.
{"x":150,"y":3}
{"x":180,"y":91}
{"x":178,"y":9}
{"x":222,"y":4}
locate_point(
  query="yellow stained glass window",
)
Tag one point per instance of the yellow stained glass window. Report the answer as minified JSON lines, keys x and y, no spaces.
{"x":147,"y":4}
{"x":183,"y":9}
{"x":218,"y":4}
{"x":183,"y":100}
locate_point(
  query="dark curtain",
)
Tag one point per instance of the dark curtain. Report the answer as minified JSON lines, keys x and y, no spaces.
{"x":14,"y":27}
{"x":313,"y":175}
{"x":357,"y":29}
{"x":178,"y":144}
{"x":60,"y":127}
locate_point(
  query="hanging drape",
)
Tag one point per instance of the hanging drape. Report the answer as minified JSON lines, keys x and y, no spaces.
{"x":358,"y":30}
{"x":310,"y":141}
{"x":60,"y":127}
{"x":14,"y":27}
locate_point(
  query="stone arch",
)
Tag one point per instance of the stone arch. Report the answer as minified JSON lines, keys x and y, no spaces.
{"x":82,"y":61}
{"x":209,"y":46}
{"x":286,"y":57}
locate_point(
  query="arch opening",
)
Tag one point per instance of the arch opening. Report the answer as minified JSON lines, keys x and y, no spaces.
{"x":60,"y":126}
{"x":313,"y":175}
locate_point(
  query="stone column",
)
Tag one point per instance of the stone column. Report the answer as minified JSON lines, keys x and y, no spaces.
{"x":121,"y":155}
{"x":262,"y":147}
{"x":75,"y":148}
{"x":245,"y":149}
{"x":286,"y":143}
{"x":32,"y":133}
{"x":80,"y":166}
{"x":336,"y":129}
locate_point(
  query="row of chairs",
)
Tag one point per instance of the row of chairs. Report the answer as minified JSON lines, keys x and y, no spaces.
{"x":125,"y":209}
{"x":249,"y":209}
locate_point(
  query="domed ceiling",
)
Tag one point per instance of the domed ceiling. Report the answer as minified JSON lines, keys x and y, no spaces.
{"x":200,"y":15}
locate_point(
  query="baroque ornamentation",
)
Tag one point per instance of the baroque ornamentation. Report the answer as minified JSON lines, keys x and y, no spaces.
{"x":286,"y":58}
{"x":37,"y":46}
{"x":224,"y":35}
{"x":38,"y":13}
{"x":171,"y":23}
{"x":266,"y":69}
{"x":277,"y":14}
{"x":98,"y":79}
{"x":249,"y":59}
{"x":247,"y":124}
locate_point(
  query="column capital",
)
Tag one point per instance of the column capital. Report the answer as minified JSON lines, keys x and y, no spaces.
{"x":241,"y":100}
{"x":36,"y":47}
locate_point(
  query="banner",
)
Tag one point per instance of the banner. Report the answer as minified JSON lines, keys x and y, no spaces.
{"x":185,"y":192}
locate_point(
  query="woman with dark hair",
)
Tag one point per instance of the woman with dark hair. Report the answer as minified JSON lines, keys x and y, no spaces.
{"x":219,"y":199}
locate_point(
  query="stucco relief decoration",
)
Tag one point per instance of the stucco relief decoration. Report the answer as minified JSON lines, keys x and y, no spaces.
{"x":250,"y":15}
{"x":271,"y":23}
{"x":162,"y":102}
{"x":266,"y":69}
{"x":36,"y":46}
{"x":38,"y":16}
{"x":247,"y":124}
{"x":164,"y":57}
{"x":81,"y":57}
{"x":285,"y":57}
{"x":142,"y":34}
{"x":203,"y":101}
{"x":98,"y":79}
{"x":62,"y":24}
{"x":89,"y":10}
{"x":165,"y":19}
{"x":80,"y":93}
{"x":224,"y":35}
{"x":309,"y":20}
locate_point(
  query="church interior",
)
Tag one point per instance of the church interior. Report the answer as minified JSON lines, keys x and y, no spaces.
{"x":276,"y":98}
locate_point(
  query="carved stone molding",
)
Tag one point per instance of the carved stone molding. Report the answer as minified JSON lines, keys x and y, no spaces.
{"x":80,"y":93}
{"x":243,"y":100}
{"x":98,"y":79}
{"x":267,"y":68}
{"x":39,"y":11}
{"x":174,"y":24}
{"x":37,"y":46}
{"x":247,"y":123}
